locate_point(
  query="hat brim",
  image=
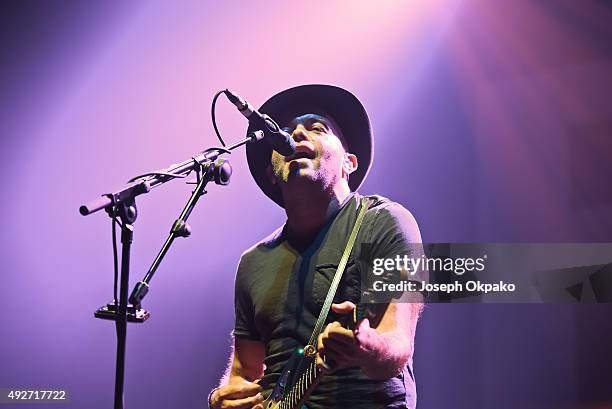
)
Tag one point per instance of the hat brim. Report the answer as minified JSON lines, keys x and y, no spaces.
{"x":326,"y":100}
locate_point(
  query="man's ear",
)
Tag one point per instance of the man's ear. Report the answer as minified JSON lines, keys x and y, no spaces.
{"x":271,"y":175}
{"x":349,"y":164}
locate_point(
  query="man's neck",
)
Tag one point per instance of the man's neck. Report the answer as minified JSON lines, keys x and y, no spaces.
{"x":307,"y":211}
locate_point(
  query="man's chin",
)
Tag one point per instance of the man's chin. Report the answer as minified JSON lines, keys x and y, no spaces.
{"x":300,"y":175}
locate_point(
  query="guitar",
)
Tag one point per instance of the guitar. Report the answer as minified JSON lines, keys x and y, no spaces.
{"x":300,"y":376}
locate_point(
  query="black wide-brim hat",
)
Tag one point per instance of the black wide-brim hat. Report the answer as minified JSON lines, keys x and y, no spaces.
{"x":325,"y":100}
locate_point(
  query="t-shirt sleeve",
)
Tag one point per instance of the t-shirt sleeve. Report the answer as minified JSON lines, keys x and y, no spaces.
{"x":244,"y":326}
{"x":395,"y":231}
{"x":394,"y":235}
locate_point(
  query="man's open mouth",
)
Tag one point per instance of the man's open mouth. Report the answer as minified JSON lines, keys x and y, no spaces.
{"x":301,"y":151}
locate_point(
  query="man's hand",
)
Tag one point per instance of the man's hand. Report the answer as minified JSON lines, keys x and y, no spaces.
{"x":339,"y":347}
{"x":380,"y":352}
{"x":237,"y":395}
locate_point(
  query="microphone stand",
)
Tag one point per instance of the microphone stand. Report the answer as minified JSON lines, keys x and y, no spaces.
{"x":121,"y":207}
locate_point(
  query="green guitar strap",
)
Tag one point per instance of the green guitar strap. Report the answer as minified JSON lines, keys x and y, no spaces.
{"x":310,"y":349}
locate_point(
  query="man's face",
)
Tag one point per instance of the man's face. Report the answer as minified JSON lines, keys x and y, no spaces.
{"x":319,"y":157}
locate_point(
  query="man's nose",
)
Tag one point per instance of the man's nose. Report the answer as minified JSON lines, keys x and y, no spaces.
{"x":300,"y":134}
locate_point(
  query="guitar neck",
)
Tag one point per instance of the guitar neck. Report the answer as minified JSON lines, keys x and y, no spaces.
{"x":302,"y":387}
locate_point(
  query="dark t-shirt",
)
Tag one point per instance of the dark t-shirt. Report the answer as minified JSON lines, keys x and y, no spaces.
{"x":280,"y":292}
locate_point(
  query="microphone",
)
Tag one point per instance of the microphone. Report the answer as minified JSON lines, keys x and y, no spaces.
{"x":278,"y":139}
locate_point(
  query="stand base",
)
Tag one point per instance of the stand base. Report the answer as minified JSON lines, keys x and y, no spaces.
{"x":109,"y":312}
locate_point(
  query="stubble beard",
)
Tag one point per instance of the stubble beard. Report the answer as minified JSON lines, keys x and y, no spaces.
{"x":312,"y":176}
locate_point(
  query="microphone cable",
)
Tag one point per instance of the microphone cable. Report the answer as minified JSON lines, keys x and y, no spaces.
{"x":212,"y":114}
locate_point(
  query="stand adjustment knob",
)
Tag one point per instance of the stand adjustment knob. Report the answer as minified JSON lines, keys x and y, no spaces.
{"x":181,"y":229}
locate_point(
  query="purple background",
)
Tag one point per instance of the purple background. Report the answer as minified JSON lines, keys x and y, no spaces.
{"x":492,"y":123}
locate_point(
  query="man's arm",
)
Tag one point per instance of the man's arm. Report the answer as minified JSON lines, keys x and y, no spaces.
{"x":385,"y":350}
{"x":238,"y":387}
{"x":389,"y":347}
{"x":381,"y":352}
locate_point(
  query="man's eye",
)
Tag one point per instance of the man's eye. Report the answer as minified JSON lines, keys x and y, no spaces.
{"x":319,"y":129}
{"x":288,"y":130}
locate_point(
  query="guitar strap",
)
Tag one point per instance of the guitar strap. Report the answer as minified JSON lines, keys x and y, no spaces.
{"x":310,"y":349}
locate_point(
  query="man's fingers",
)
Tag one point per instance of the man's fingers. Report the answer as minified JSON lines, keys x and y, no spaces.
{"x":332,"y":353}
{"x":343,"y":308}
{"x":337,"y":353}
{"x":322,"y":365}
{"x":320,"y":343}
{"x":239,"y":390}
{"x":337,"y":345}
{"x":329,"y":327}
{"x":245,"y":403}
{"x":323,"y":335}
{"x":336,"y":335}
{"x":343,"y":335}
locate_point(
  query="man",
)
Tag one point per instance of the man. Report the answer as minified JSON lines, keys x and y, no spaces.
{"x":281,"y":283}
